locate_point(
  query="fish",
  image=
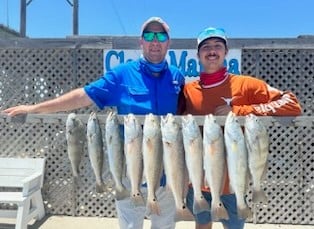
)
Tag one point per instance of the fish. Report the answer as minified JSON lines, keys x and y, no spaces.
{"x":174,"y":162}
{"x":75,"y":136}
{"x":115,"y":154}
{"x":257,"y":142}
{"x":95,"y":150}
{"x":193,"y":147}
{"x":133,"y":137}
{"x":153,"y":160}
{"x":214,"y":164}
{"x":237,"y":162}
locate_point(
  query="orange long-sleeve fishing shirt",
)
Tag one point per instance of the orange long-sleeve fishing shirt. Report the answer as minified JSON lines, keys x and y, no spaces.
{"x":245,"y":94}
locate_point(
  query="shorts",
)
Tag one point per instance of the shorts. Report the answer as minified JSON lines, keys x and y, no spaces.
{"x":131,"y":217}
{"x":229,"y":201}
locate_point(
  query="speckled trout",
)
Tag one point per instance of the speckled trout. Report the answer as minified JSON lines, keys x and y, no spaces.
{"x":115,"y":153}
{"x":237,"y":161}
{"x":152,"y":157}
{"x":133,"y":136}
{"x":214,"y":164}
{"x":257,"y":142}
{"x":75,"y":136}
{"x":95,"y":150}
{"x":193,"y":147}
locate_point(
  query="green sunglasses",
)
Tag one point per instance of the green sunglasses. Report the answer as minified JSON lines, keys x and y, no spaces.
{"x":160,"y":36}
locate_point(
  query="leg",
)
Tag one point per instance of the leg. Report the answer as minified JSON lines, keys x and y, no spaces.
{"x":167,"y":210}
{"x":130,"y":216}
{"x":234,"y":222}
{"x":22,"y":214}
{"x":37,"y":201}
{"x":203,"y":219}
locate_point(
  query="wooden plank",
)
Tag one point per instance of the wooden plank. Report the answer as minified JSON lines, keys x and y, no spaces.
{"x":11,"y":197}
{"x":14,"y":170}
{"x":23,"y":163}
{"x":12,"y":181}
{"x":23,"y":172}
{"x":61,"y":118}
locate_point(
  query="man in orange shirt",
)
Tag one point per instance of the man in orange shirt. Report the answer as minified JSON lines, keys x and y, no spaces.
{"x":217,"y":92}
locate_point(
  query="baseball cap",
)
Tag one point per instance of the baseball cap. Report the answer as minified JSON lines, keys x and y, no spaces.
{"x":155,"y":19}
{"x":209,"y":33}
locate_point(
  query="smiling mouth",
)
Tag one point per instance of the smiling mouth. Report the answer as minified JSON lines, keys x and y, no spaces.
{"x":211,"y":57}
{"x":155,"y":51}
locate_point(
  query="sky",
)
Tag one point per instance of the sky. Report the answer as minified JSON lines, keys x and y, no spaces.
{"x":186,"y":18}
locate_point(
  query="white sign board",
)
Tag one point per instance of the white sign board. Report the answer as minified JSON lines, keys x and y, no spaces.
{"x":185,"y":59}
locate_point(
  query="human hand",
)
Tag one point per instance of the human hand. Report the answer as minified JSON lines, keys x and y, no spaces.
{"x":222,"y":110}
{"x":21,"y":109}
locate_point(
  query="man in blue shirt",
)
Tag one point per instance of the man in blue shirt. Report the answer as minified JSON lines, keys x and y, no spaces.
{"x":147,"y":85}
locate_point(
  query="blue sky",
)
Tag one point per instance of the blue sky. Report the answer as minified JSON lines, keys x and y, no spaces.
{"x":186,"y":18}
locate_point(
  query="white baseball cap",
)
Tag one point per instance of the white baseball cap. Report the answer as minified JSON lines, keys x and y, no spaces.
{"x":158,"y":20}
{"x":211,"y":32}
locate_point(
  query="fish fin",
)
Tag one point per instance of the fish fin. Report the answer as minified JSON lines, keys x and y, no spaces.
{"x":153,"y":207}
{"x":138,"y":199}
{"x":258,"y":196}
{"x":101,"y":187}
{"x":245,"y":213}
{"x":200,"y":205}
{"x":219,"y":212}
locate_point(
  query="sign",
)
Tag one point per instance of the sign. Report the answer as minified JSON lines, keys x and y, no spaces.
{"x":185,"y":59}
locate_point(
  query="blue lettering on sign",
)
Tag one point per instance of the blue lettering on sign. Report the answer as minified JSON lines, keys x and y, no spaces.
{"x":233,"y":66}
{"x":111,"y":54}
{"x":190,"y":67}
{"x":187,"y":67}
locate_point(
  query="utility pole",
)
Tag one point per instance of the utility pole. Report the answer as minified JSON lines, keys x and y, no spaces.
{"x":25,"y":3}
{"x":23,"y":6}
{"x":75,"y":5}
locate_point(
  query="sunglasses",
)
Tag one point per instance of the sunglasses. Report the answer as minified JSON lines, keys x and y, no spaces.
{"x":160,"y":36}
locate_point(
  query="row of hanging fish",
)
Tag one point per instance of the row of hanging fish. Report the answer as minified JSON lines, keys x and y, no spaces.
{"x":178,"y":148}
{"x":245,"y":152}
{"x":76,"y":137}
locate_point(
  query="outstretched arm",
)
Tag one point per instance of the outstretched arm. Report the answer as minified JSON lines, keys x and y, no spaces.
{"x":280,"y":104}
{"x":74,"y":99}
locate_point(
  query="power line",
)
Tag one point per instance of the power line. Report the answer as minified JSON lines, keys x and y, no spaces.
{"x":118,"y":16}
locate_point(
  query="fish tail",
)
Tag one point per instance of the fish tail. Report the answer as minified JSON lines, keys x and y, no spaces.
{"x":258,"y":196}
{"x":200,"y":205}
{"x":245,"y":212}
{"x":100,"y":187}
{"x":153,"y":207}
{"x":75,"y":170}
{"x":219,"y":212}
{"x":181,"y":213}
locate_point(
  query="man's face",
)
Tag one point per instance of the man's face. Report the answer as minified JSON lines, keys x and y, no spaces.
{"x":212,"y":54}
{"x":154,"y":51}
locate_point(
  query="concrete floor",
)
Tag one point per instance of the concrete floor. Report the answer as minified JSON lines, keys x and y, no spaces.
{"x":68,"y":222}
